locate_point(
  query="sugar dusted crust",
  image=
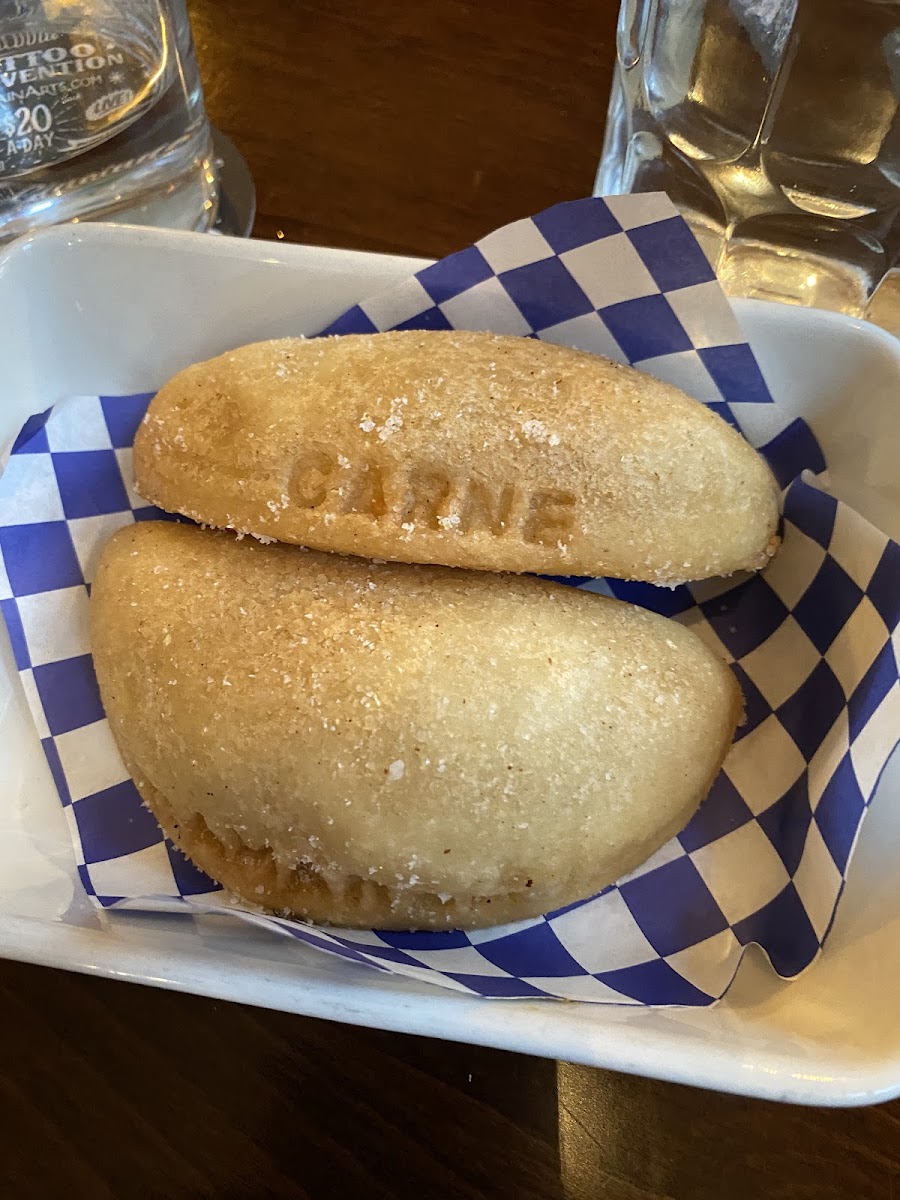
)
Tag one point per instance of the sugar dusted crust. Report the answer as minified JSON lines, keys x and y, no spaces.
{"x":463,"y":449}
{"x":395,"y":746}
{"x":257,"y":878}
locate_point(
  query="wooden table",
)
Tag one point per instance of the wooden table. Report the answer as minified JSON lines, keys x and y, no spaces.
{"x":412,"y":127}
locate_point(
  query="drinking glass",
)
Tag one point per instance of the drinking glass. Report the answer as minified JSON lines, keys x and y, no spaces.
{"x":772,"y":124}
{"x":102,"y":116}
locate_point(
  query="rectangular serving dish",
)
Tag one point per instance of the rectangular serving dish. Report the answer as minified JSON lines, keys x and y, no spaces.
{"x":110,"y":310}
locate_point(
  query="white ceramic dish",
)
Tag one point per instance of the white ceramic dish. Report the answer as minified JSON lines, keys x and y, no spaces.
{"x":113,"y":310}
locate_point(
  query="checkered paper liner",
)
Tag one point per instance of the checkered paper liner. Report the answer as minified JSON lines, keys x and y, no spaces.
{"x":765,"y":858}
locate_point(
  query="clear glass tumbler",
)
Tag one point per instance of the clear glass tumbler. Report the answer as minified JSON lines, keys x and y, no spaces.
{"x":773,"y":125}
{"x":101,"y":116}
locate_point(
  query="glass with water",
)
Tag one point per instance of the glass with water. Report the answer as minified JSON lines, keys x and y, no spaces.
{"x":773,"y":125}
{"x":101,"y":116}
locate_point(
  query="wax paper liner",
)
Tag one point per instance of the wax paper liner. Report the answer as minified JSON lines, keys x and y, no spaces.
{"x":812,"y":641}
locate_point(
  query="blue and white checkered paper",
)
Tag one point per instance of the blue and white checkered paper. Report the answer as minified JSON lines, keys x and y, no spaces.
{"x":813,"y":642}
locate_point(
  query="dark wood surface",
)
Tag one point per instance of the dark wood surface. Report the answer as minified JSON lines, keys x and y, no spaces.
{"x":411,"y":127}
